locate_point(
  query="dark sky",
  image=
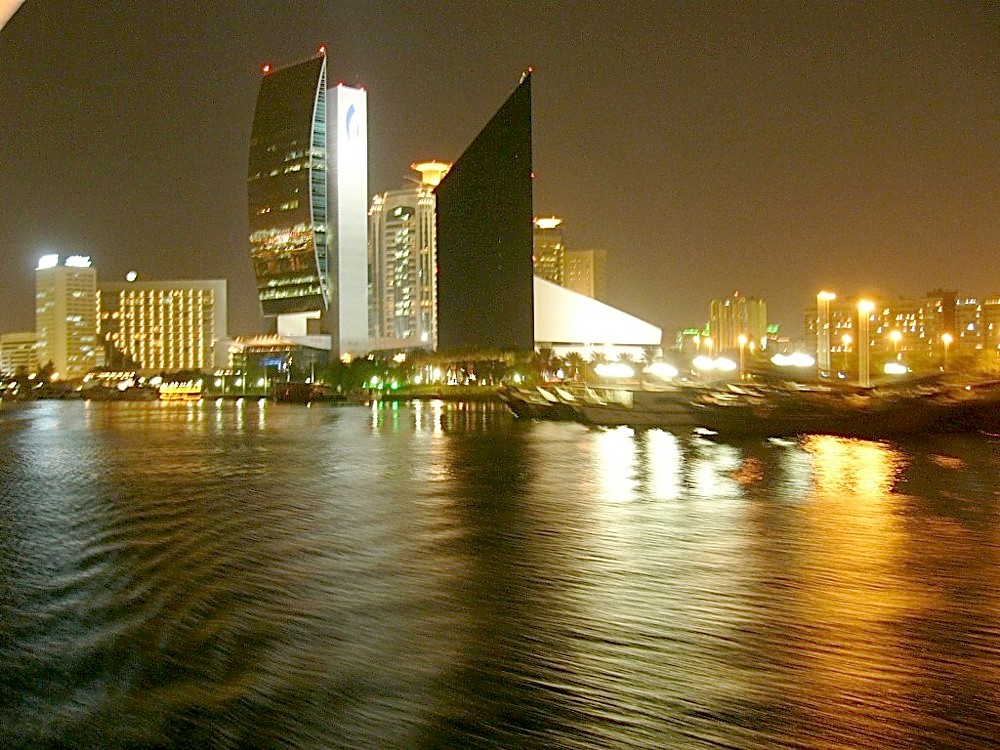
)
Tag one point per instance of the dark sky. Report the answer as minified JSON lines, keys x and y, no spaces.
{"x":776,"y":148}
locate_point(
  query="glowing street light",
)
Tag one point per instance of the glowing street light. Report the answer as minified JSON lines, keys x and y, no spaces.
{"x":896,"y":337}
{"x":865,"y":308}
{"x":946,"y":339}
{"x":743,"y":345}
{"x":708,"y":342}
{"x":846,"y":341}
{"x":823,"y":300}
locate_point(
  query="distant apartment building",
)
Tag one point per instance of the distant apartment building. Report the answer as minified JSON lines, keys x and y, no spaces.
{"x":548,"y":250}
{"x":164,"y":326}
{"x":402,"y":257}
{"x":731,"y":317}
{"x":914,"y":325}
{"x":586,"y":272}
{"x":17,"y":351}
{"x":66,"y":315}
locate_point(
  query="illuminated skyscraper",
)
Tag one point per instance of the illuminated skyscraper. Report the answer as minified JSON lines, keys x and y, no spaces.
{"x":401,"y":263}
{"x":307,"y":191}
{"x":549,"y":250}
{"x":66,"y":315}
{"x":160,"y":326}
{"x":484,"y":236}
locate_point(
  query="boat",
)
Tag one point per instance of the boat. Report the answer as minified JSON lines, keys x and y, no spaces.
{"x":613,"y":407}
{"x":303,"y":393}
{"x":869,"y":413}
{"x":538,"y":402}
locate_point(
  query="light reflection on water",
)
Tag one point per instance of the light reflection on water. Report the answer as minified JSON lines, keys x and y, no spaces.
{"x":234,"y":574}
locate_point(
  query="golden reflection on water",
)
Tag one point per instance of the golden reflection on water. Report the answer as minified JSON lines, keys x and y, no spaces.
{"x":850,"y":588}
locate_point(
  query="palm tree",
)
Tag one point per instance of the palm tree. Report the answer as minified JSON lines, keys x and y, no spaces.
{"x":574,"y":363}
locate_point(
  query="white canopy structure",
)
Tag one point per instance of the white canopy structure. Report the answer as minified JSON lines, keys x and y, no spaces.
{"x":566,"y":320}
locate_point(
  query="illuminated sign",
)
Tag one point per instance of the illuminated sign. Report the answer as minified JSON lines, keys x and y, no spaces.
{"x":48,"y":261}
{"x":78,"y":261}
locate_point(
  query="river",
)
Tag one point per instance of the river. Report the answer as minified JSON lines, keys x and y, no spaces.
{"x":435,"y":575}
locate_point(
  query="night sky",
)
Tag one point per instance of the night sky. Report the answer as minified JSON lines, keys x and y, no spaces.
{"x":775,"y":148}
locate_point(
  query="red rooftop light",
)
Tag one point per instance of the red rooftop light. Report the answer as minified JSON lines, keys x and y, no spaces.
{"x":322,"y":49}
{"x":265,"y":68}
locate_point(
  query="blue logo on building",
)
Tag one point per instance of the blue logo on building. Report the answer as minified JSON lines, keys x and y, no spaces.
{"x":351,"y":125}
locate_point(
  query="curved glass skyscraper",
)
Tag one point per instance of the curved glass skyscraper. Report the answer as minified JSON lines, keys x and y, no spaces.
{"x":287,"y":190}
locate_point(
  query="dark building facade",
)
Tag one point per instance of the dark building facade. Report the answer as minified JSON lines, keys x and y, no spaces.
{"x":484,"y":237}
{"x":287,"y":190}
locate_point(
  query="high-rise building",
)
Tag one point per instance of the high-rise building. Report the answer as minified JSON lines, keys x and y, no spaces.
{"x":307,"y":188}
{"x":401,"y":263}
{"x":18,"y":350}
{"x":484,"y":236}
{"x":66,"y":315}
{"x":348,"y":155}
{"x":587,"y":273}
{"x":731,"y":317}
{"x":549,"y":250}
{"x":163,"y":326}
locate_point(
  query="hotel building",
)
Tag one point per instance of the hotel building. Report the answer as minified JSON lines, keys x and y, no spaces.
{"x":66,"y":315}
{"x":164,"y":326}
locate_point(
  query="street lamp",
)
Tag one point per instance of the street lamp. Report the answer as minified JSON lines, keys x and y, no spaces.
{"x":946,"y":339}
{"x":846,"y":341}
{"x":708,"y":343}
{"x":743,"y":345}
{"x":823,"y":300}
{"x":865,"y":308}
{"x":896,"y":336}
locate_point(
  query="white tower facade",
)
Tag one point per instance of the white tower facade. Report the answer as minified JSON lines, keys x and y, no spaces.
{"x":348,"y":155}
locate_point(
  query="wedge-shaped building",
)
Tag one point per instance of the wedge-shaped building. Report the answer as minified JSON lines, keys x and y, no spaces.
{"x":287,"y":190}
{"x":484,"y":237}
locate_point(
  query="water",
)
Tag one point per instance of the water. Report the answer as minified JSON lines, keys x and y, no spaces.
{"x":444,"y":576}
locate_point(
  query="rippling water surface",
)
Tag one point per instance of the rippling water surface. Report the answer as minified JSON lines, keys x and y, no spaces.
{"x":444,"y":576}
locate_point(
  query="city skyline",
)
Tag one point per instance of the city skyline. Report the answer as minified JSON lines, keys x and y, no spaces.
{"x":777,"y":150}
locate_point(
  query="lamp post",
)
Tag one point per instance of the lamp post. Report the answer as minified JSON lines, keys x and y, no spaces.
{"x":896,"y":336}
{"x":865,"y":308}
{"x":708,"y":343}
{"x":823,"y":300}
{"x":845,"y":340}
{"x":743,"y":345}
{"x":946,"y":339}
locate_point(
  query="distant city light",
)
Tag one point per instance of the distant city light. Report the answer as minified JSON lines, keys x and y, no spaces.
{"x":614,"y":370}
{"x":796,"y":359}
{"x":265,"y":68}
{"x":895,"y":368}
{"x":661,"y":370}
{"x":547,"y":222}
{"x":725,"y":364}
{"x":48,"y":261}
{"x":131,"y":276}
